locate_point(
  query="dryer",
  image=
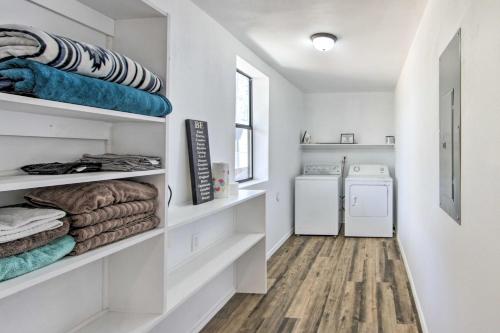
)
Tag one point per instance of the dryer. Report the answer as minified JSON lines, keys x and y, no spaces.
{"x":317,"y":200}
{"x":369,"y":201}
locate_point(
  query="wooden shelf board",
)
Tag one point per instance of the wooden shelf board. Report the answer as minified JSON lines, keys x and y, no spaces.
{"x":182,"y":215}
{"x":70,"y":263}
{"x":17,"y":103}
{"x":189,"y":278}
{"x":345,"y":146}
{"x":24,"y":181}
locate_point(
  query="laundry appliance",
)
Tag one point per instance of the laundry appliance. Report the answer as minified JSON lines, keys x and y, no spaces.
{"x":369,"y":201}
{"x":317,"y":199}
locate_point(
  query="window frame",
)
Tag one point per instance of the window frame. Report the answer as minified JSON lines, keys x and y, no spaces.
{"x":248,"y":127}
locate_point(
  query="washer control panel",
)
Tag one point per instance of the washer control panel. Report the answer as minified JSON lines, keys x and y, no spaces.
{"x":322,"y":169}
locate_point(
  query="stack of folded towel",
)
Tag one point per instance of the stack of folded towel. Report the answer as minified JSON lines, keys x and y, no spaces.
{"x":101,"y":213}
{"x":31,"y":238}
{"x":114,"y":162}
{"x":43,"y":65}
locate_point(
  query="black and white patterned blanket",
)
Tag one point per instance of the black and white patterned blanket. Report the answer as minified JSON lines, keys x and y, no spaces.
{"x":19,"y":41}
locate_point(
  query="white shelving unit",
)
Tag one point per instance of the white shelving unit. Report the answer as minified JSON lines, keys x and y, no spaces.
{"x":191,"y":277}
{"x":244,"y":247}
{"x":126,"y":286}
{"x":329,"y":146}
{"x":121,"y":287}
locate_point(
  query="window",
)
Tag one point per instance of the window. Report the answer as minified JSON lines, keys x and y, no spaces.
{"x":244,"y":131}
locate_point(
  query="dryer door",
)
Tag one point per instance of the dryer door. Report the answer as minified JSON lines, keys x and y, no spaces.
{"x":368,"y":200}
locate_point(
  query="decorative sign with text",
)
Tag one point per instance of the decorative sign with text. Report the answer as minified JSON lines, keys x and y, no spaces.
{"x":199,"y":161}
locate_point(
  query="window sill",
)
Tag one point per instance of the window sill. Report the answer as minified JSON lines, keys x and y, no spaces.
{"x":251,"y":183}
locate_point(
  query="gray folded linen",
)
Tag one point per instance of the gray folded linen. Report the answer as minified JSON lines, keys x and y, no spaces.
{"x":115,"y":162}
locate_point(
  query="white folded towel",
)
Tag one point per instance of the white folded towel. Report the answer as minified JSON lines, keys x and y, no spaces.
{"x":20,"y":222}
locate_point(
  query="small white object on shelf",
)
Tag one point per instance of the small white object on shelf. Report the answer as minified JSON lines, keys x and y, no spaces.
{"x":182,"y":215}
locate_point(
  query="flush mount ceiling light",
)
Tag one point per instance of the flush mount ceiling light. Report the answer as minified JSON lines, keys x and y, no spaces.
{"x":323,"y":41}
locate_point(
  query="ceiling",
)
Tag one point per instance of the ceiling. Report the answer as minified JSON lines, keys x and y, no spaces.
{"x":374,"y":38}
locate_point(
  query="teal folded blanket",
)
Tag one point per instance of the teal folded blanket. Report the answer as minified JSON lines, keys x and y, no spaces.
{"x":29,"y":261}
{"x":42,"y":81}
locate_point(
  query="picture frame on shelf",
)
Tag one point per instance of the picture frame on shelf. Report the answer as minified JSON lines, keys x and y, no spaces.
{"x":347,"y":138}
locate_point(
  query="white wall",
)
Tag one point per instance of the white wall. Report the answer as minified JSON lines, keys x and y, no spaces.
{"x":455,"y":268}
{"x":370,"y":116}
{"x":202,"y":86}
{"x":203,"y":63}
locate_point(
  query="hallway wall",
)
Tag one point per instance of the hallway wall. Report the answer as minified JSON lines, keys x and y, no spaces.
{"x":455,"y":268}
{"x":202,"y":86}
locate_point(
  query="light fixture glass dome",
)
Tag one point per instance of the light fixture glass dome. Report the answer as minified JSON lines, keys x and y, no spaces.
{"x":323,"y":41}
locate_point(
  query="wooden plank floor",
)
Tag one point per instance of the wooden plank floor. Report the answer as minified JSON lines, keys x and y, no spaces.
{"x":327,"y":284}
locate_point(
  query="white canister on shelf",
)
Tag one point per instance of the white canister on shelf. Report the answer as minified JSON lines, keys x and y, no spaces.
{"x":220,"y":178}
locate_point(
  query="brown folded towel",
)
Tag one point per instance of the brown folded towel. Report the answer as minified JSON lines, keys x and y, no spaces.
{"x":87,"y":197}
{"x":32,"y":242}
{"x":112,"y":212}
{"x":82,"y":234}
{"x":113,"y":236}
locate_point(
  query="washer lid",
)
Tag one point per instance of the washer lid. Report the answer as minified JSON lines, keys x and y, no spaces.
{"x":318,"y":177}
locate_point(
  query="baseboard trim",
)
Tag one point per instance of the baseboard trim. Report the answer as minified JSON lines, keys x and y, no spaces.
{"x":213,"y":311}
{"x":423,"y":323}
{"x":276,"y":246}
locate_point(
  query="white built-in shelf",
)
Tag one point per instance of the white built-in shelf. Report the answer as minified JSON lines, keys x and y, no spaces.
{"x":188,"y":213}
{"x":70,"y":263}
{"x":345,"y":146}
{"x":24,"y":181}
{"x":190,"y":277}
{"x":118,"y":322}
{"x":26,"y":104}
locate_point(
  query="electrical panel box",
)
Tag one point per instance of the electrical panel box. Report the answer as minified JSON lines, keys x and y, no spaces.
{"x":450,"y":128}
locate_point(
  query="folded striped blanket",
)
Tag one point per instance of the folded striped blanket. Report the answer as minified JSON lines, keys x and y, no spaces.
{"x":19,"y":41}
{"x":87,"y":197}
{"x":116,"y":235}
{"x":82,"y":234}
{"x":111,"y":213}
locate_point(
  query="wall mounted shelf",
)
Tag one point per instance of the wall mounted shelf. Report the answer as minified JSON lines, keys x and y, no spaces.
{"x":319,"y":146}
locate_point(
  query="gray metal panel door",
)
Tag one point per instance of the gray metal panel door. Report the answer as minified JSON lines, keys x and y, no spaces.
{"x":449,"y":128}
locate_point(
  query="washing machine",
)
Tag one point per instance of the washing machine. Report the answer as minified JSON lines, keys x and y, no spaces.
{"x":317,"y":200}
{"x":368,"y":201}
